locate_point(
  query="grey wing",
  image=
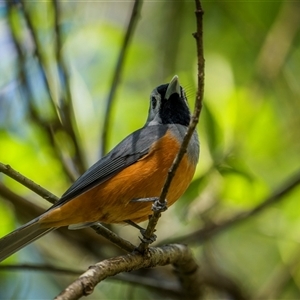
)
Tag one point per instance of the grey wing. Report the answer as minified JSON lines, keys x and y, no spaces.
{"x":126,"y":153}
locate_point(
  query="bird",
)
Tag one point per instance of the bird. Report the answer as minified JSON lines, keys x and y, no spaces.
{"x":117,"y":188}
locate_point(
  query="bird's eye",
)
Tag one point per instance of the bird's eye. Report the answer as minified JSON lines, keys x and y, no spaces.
{"x":154,"y":102}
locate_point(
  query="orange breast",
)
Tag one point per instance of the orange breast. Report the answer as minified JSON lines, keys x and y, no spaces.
{"x":110,"y":202}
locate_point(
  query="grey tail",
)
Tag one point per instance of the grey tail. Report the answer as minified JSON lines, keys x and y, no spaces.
{"x":21,"y":237}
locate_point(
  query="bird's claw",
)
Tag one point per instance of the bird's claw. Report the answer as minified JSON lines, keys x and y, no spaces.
{"x":159,"y":206}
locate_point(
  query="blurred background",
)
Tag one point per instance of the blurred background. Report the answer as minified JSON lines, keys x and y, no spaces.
{"x":57,"y":64}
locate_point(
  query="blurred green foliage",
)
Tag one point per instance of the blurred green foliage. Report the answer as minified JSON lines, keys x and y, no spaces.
{"x":249,"y":126}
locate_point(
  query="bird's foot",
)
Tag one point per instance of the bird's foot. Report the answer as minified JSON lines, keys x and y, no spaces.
{"x":159,"y":206}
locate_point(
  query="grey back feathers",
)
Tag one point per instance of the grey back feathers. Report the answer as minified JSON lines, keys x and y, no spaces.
{"x":127,"y":152}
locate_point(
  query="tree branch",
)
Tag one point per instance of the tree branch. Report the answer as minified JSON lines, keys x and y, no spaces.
{"x":9,"y":171}
{"x":27,"y":89}
{"x":192,"y":126}
{"x":63,"y":117}
{"x":39,"y":54}
{"x":179,"y":255}
{"x":49,"y":127}
{"x":65,"y":104}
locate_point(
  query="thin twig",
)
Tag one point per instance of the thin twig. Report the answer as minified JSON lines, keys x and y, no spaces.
{"x":65,"y":105}
{"x":49,"y":127}
{"x":194,"y":121}
{"x":62,"y":121}
{"x":27,"y":90}
{"x":118,"y":72}
{"x":9,"y":171}
{"x":39,"y":54}
{"x":179,"y":255}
